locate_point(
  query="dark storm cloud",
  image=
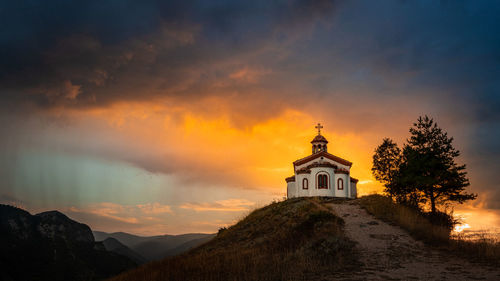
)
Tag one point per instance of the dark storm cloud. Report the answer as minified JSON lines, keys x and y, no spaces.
{"x":92,"y":53}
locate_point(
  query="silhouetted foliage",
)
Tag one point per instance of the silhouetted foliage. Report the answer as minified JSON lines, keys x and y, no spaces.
{"x":387,"y":162}
{"x":424,"y":171}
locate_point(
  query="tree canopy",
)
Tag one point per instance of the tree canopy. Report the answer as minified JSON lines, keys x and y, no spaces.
{"x":424,"y":171}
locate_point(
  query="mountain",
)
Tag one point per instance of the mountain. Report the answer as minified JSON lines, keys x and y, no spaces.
{"x":157,"y":247}
{"x":168,"y":245}
{"x":51,"y":246}
{"x":127,"y":239}
{"x":113,"y":245}
{"x":297,"y":239}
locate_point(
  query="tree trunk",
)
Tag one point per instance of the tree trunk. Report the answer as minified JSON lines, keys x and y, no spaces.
{"x":433,"y":203}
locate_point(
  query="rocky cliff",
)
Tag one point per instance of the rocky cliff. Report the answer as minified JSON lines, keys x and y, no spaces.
{"x":51,"y":246}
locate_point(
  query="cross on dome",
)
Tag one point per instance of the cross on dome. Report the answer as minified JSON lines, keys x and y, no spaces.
{"x":319,"y":127}
{"x":319,"y":142}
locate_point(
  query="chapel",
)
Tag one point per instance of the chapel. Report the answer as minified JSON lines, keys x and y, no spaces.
{"x":321,"y":173}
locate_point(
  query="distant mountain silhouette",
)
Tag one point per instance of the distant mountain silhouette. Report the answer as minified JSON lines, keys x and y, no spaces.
{"x":127,"y":239}
{"x":113,"y":245}
{"x":51,"y":246}
{"x":157,"y":247}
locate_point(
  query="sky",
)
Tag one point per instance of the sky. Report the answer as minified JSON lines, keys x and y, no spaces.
{"x":155,"y":117}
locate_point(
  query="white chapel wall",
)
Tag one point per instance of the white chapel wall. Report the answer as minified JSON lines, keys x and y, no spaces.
{"x":345,"y":179}
{"x":291,"y":188}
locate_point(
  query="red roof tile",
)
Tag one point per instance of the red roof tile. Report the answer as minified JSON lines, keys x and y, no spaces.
{"x":324,"y":154}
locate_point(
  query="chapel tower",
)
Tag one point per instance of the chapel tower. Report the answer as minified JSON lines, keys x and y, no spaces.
{"x":319,"y":142}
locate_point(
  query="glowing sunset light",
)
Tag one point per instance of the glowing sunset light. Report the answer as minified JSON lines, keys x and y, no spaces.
{"x":461,"y":227}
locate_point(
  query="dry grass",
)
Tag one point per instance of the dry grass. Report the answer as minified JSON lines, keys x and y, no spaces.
{"x":482,"y":249}
{"x":410,"y":219}
{"x":289,"y":240}
{"x":420,"y":227}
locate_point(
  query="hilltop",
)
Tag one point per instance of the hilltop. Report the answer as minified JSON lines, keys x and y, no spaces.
{"x":317,"y":239}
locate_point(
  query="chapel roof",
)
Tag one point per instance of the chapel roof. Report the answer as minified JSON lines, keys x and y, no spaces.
{"x":322,"y":154}
{"x":319,"y":138}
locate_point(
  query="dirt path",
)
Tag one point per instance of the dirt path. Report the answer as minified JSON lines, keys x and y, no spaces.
{"x":389,"y":253}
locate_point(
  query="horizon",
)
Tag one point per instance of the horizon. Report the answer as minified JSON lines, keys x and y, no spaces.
{"x":170,"y":118}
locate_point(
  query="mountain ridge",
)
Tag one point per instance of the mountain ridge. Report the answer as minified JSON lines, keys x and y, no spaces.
{"x":158,"y":246}
{"x":113,"y":245}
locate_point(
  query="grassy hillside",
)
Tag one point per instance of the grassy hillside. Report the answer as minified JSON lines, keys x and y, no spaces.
{"x":290,"y":240}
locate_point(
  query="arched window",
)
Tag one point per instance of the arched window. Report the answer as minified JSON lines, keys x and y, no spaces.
{"x":322,"y":181}
{"x":340,"y":184}
{"x":305,"y":184}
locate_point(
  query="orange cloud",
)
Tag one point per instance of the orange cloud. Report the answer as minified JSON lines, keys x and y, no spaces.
{"x":132,"y":214}
{"x":107,"y":210}
{"x":154,"y":208}
{"x":229,"y":205}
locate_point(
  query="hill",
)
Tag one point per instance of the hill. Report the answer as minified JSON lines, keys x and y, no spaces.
{"x":51,"y":246}
{"x":291,"y":240}
{"x":156,"y":247}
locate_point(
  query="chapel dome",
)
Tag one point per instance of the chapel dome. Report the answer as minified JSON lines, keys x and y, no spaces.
{"x":319,"y":138}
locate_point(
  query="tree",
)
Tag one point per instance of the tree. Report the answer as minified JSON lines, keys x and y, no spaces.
{"x":432,"y":167}
{"x":425,"y":171}
{"x":386,"y":162}
{"x":389,"y":168}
